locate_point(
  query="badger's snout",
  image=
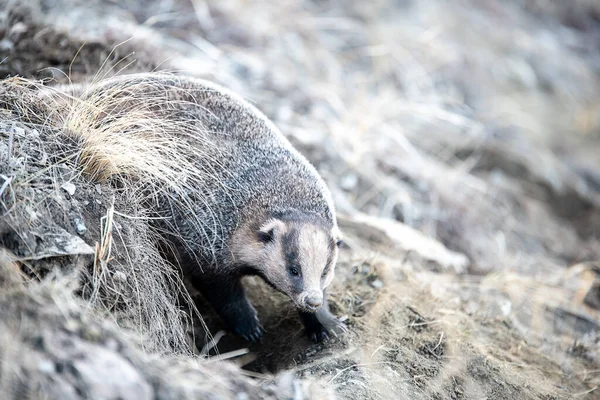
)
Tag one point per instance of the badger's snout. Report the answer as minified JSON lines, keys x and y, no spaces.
{"x":311,"y":301}
{"x":314,"y":301}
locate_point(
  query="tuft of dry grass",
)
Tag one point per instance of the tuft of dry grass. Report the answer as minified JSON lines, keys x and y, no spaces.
{"x":120,"y":138}
{"x":96,"y":137}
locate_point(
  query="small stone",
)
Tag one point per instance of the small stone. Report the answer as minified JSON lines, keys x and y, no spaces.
{"x":18,"y":28}
{"x":377,"y":284}
{"x":6,"y":45}
{"x":46,"y":367}
{"x":112,"y":344}
{"x":80,"y":227}
{"x":69,"y":188}
{"x":348,"y":182}
{"x":120,"y":276}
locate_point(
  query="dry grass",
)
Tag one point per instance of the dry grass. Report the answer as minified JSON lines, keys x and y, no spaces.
{"x":128,"y":277}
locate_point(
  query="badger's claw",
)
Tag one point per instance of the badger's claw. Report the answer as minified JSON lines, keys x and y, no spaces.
{"x":335,"y":328}
{"x":324,"y":335}
{"x":320,"y":326}
{"x":320,"y":336}
{"x":331,"y":324}
{"x":247,"y":326}
{"x":255,"y":336}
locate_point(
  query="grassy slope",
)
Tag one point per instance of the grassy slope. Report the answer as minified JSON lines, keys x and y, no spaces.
{"x":470,"y":122}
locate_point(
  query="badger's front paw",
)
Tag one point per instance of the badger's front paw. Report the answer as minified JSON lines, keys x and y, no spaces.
{"x":331,"y":324}
{"x":247,"y":326}
{"x":320,"y":326}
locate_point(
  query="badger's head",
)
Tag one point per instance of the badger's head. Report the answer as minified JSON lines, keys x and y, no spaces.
{"x":295,"y":256}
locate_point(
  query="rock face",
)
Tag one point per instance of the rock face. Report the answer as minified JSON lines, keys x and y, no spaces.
{"x":460,"y":141}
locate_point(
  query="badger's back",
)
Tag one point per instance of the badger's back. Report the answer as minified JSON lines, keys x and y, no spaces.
{"x":250,"y":168}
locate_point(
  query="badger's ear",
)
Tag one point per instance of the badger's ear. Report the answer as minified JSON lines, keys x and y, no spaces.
{"x":270,"y":230}
{"x":337,"y":236}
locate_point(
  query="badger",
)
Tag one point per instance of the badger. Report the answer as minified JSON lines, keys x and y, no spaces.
{"x":262,"y":210}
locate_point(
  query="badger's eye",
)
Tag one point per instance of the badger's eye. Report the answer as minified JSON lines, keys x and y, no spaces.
{"x":339,"y":243}
{"x":294,"y":271}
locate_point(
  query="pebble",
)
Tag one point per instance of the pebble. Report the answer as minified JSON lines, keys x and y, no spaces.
{"x":46,"y":367}
{"x":377,"y":284}
{"x":120,"y":276}
{"x":18,"y":28}
{"x":69,"y":188}
{"x":6,"y":45}
{"x":80,"y":227}
{"x":348,"y":182}
{"x":112,"y":344}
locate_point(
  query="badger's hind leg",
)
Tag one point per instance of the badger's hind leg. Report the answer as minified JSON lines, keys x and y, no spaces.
{"x":226,"y":295}
{"x":322,"y":323}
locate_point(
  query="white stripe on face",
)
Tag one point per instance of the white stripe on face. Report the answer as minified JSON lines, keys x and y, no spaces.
{"x":313,"y":251}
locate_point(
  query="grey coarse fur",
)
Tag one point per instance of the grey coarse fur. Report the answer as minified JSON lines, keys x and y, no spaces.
{"x":254,"y":170}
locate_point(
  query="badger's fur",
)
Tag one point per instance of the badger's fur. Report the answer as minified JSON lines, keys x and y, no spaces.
{"x":262,"y":209}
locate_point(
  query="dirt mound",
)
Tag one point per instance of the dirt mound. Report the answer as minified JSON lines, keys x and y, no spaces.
{"x":51,"y":348}
{"x":460,"y":142}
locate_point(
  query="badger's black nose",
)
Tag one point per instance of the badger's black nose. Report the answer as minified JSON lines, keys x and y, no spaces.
{"x":314,"y":301}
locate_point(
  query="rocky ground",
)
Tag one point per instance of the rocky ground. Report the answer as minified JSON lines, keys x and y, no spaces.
{"x":460,"y":140}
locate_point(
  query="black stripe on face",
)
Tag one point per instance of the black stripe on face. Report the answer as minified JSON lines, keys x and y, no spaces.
{"x":329,"y":264}
{"x":289,"y":248}
{"x":332,"y":244}
{"x":331,"y":247}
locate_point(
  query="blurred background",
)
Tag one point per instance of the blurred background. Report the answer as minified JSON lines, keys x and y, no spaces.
{"x":460,"y":139}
